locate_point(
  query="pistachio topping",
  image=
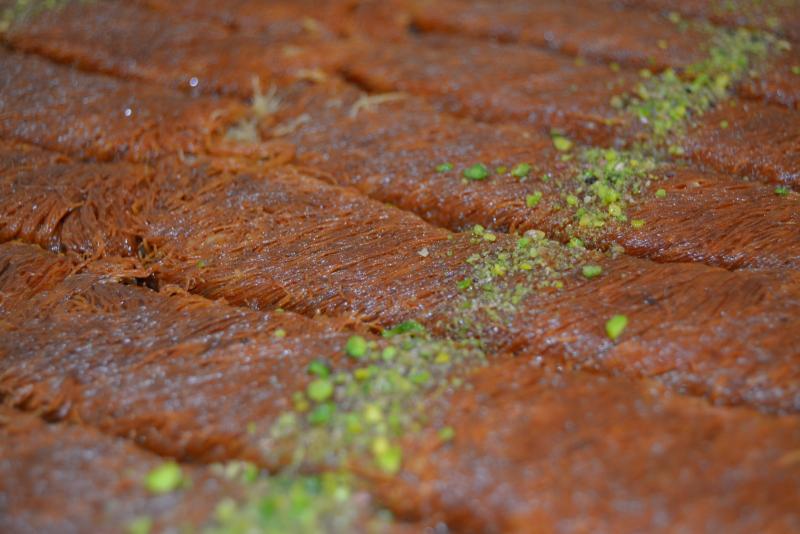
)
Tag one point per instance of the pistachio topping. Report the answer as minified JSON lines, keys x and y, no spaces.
{"x":561,"y":143}
{"x":479,"y":171}
{"x":666,"y":102}
{"x":591,"y":271}
{"x":356,"y":347}
{"x":165,"y":478}
{"x":615,"y":326}
{"x":328,"y":502}
{"x":364,"y":412}
{"x":521,"y":170}
{"x":606,"y":182}
{"x":444,"y":167}
{"x":140,"y":525}
{"x":502,"y":276}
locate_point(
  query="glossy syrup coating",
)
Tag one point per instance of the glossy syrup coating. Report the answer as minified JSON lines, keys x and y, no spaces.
{"x":195,"y":55}
{"x":68,"y":206}
{"x":577,"y":28}
{"x":286,"y":238}
{"x":178,"y":374}
{"x":760,"y":141}
{"x":498,"y":82}
{"x":508,"y":266}
{"x":393,"y":151}
{"x":100,"y":117}
{"x":72,"y":478}
{"x":541,"y":451}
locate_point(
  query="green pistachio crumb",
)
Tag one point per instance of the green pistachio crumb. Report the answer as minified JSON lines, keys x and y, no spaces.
{"x":444,"y":167}
{"x":387,"y":456}
{"x":479,"y":171}
{"x":389,"y":353}
{"x":465,"y":284}
{"x":782,"y":191}
{"x":533,"y":199}
{"x":320,"y":390}
{"x":279,"y":333}
{"x":615,"y":326}
{"x":322,"y":413}
{"x":521,"y":170}
{"x":140,"y":525}
{"x":575,"y":242}
{"x":165,"y":478}
{"x":724,"y":125}
{"x":796,"y":70}
{"x":420,"y":378}
{"x":561,"y":143}
{"x":502,"y":169}
{"x":591,"y":271}
{"x":356,"y":347}
{"x":446,"y":433}
{"x":637,"y":224}
{"x":319,"y":368}
{"x":406,"y":327}
{"x":661,"y":193}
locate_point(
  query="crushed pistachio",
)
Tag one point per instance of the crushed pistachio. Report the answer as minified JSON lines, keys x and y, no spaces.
{"x":615,"y":326}
{"x":364,"y":411}
{"x":664,"y":103}
{"x":406,"y":327}
{"x":329,"y":502}
{"x":606,"y":182}
{"x":591,"y":271}
{"x":356,"y":347}
{"x":279,"y":333}
{"x":320,"y":390}
{"x":140,"y":525}
{"x":521,"y":170}
{"x":479,"y":171}
{"x":444,"y":167}
{"x":561,"y":143}
{"x":319,"y":368}
{"x":465,"y":284}
{"x":661,"y":193}
{"x":502,"y":276}
{"x":532,"y":200}
{"x":782,"y":191}
{"x":446,"y":433}
{"x":165,"y":478}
